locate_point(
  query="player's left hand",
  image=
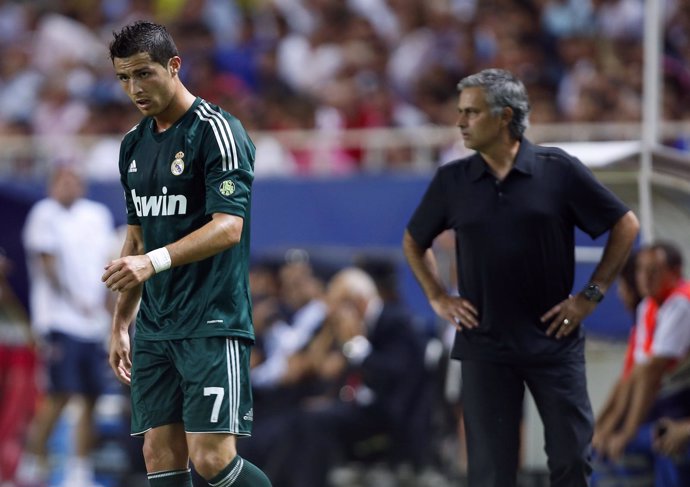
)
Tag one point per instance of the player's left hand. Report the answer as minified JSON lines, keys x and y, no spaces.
{"x":127,"y":272}
{"x":567,"y":315}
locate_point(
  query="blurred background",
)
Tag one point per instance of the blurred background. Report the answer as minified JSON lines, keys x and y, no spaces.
{"x":352,"y":106}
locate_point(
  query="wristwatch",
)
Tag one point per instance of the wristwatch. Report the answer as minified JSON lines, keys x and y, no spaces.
{"x":591,"y":292}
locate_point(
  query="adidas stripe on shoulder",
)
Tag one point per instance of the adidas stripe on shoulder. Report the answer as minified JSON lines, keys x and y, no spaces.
{"x":223,"y":134}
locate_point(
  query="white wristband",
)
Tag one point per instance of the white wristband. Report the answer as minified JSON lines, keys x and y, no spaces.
{"x":160,"y":258}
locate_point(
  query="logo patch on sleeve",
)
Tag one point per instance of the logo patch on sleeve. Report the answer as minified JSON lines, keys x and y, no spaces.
{"x":227,"y":188}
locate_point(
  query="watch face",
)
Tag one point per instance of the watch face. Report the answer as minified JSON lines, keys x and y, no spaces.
{"x":593,"y":293}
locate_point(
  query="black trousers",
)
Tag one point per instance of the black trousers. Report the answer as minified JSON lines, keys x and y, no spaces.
{"x":492,"y":398}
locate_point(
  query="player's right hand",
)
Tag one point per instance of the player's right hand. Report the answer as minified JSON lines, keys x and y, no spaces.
{"x":127,"y":272}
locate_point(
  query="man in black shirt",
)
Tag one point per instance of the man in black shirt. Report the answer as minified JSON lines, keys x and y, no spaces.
{"x":514,"y":207}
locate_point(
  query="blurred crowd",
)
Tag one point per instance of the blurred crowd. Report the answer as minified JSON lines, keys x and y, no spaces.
{"x":331,"y":64}
{"x":342,"y":368}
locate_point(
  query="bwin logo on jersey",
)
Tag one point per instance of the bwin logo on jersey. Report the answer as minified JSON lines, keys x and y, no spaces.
{"x":166,"y":205}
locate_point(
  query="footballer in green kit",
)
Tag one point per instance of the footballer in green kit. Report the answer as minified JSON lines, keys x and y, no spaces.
{"x":186,"y":170}
{"x":175,"y":181}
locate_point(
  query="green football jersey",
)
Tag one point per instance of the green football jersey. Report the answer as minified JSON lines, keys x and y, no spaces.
{"x":174,"y":182}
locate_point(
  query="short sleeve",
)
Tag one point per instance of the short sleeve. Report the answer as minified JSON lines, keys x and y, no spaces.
{"x":430,"y":217}
{"x":595,"y":209}
{"x":229,"y":168}
{"x":672,"y":334}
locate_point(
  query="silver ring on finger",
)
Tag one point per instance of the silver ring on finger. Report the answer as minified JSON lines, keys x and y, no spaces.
{"x":566,"y":322}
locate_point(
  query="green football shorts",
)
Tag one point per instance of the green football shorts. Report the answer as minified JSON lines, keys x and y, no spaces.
{"x":200,"y":382}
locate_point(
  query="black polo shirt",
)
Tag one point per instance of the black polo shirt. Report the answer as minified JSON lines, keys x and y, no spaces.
{"x":515,"y":245}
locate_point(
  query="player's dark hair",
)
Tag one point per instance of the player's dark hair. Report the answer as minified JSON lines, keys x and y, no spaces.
{"x":143,"y":37}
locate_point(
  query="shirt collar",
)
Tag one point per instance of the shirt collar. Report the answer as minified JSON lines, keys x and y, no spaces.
{"x":524,"y":161}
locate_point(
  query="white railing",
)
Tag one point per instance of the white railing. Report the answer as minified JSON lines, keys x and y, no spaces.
{"x":423,"y":147}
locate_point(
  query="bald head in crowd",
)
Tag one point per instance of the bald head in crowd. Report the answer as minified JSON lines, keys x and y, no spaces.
{"x":352,"y":286}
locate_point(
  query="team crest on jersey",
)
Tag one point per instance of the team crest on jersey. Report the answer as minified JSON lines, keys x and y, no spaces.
{"x":177,"y":166}
{"x":227,"y":187}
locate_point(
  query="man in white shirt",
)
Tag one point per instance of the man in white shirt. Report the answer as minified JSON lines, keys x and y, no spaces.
{"x":67,"y":240}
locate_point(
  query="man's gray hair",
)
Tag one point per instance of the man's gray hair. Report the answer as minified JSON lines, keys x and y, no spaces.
{"x":503,"y":89}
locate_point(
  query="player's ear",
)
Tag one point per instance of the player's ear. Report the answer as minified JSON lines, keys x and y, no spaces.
{"x":174,"y":65}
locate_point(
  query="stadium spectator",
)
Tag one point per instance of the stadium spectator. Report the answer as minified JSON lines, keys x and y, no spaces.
{"x":301,"y":299}
{"x":286,"y":323}
{"x":514,"y":209}
{"x":67,"y":239}
{"x":567,"y":18}
{"x":619,"y":19}
{"x":654,"y":381}
{"x":57,"y":113}
{"x":372,"y":356}
{"x":21,"y":84}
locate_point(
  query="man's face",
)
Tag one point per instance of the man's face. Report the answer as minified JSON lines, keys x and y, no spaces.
{"x":66,"y":187}
{"x":148,"y":84}
{"x":480,"y":128}
{"x":654,"y":278}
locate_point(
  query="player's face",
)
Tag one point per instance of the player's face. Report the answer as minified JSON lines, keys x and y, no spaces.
{"x":148,"y":84}
{"x":480,"y":128}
